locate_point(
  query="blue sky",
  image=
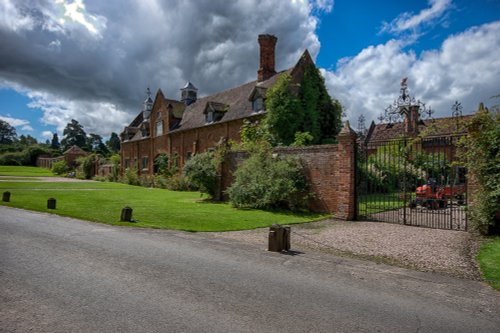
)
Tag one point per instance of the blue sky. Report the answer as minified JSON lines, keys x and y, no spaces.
{"x":89,"y":61}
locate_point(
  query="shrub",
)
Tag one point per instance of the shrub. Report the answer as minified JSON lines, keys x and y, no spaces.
{"x":130,"y":177}
{"x":60,"y":168}
{"x":147,"y":181}
{"x":175,"y":183}
{"x":201,"y":169}
{"x":115,"y":169}
{"x":481,"y":155}
{"x":268,"y":181}
{"x":164,"y":167}
{"x":100,"y":178}
{"x":87,"y":165}
{"x":27,"y":156}
{"x":13,"y":158}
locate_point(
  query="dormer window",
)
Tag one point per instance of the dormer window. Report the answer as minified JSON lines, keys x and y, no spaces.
{"x":258,"y":104}
{"x":257,"y":99}
{"x":210,"y":117}
{"x":215,"y":111}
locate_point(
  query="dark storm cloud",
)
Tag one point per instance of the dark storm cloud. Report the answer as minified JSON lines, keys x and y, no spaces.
{"x":93,"y":59}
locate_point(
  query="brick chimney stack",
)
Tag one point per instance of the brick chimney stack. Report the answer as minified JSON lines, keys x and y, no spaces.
{"x":267,"y":45}
{"x":412,"y":119}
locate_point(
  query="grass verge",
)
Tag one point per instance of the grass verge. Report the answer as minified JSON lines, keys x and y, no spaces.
{"x":24,"y":171}
{"x":152,"y":208}
{"x":489,"y":261}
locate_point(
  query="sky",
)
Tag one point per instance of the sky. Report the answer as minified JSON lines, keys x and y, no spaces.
{"x":92,"y":60}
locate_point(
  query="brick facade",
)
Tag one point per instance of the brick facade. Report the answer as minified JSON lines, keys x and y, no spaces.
{"x":194,"y":125}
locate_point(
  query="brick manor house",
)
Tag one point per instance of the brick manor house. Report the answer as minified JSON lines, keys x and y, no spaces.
{"x":193,"y":125}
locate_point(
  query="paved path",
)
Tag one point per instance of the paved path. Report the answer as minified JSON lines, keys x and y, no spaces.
{"x":42,"y":179}
{"x":64,"y":275}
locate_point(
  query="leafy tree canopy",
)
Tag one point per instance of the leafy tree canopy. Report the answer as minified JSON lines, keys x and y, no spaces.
{"x":74,"y":135}
{"x":27,"y":140}
{"x":7,"y":132}
{"x":95,"y":144}
{"x":113,"y":143}
{"x":54,"y":144}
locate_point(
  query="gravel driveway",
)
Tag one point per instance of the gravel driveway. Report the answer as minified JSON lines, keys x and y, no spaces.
{"x":444,"y":251}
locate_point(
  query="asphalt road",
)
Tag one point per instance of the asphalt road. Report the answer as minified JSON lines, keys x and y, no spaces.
{"x":65,"y":275}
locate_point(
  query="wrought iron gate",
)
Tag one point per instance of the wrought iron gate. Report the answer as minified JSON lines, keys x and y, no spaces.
{"x":413,"y":182}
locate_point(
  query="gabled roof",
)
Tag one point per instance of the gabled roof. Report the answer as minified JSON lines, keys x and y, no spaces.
{"x":216,"y":107}
{"x":235,"y":101}
{"x":75,"y":150}
{"x":177,"y":106}
{"x":430,"y":128}
{"x":189,"y":86}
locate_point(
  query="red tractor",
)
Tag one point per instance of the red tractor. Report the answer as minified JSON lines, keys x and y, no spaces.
{"x":433,"y":196}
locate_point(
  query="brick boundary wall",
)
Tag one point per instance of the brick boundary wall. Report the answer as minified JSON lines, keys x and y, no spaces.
{"x":48,"y":162}
{"x":330,"y":169}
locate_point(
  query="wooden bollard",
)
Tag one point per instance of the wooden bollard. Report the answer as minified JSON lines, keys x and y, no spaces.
{"x":126,"y":215}
{"x":51,"y":203}
{"x":287,"y":231}
{"x":279,"y":238}
{"x":6,"y":196}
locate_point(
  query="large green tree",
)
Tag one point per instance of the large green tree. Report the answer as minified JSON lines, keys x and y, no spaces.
{"x":113,"y":143}
{"x":95,"y":144}
{"x":74,"y":135}
{"x":27,"y":140}
{"x":54,"y":144}
{"x":7,"y":132}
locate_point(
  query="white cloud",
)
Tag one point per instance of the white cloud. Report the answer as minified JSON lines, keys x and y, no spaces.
{"x":15,"y":122}
{"x":12,"y":18}
{"x":466,"y":68}
{"x":323,"y":5}
{"x":27,"y":128}
{"x":407,"y":21}
{"x":75,"y":11}
{"x":47,"y":134}
{"x":96,"y":117}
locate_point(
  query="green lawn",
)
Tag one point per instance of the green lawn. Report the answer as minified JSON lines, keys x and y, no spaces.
{"x":489,"y":261}
{"x":24,"y":171}
{"x":153,"y":208}
{"x":376,"y":203}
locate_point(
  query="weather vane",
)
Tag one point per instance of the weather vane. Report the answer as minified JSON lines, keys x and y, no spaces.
{"x":457,"y":112}
{"x":402,"y":106}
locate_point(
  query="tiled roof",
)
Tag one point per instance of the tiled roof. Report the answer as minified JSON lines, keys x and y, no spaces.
{"x":177,"y":107}
{"x":75,"y":150}
{"x":430,"y":128}
{"x":235,"y":100}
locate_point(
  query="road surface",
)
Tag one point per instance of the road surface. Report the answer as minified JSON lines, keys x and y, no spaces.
{"x":65,"y":275}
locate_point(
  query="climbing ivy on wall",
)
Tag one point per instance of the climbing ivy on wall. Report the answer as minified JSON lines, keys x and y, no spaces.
{"x":302,"y":108}
{"x":284,"y":116}
{"x":322,"y":114}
